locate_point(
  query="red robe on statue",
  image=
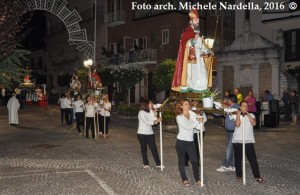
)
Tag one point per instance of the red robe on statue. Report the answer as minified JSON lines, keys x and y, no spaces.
{"x":186,"y":35}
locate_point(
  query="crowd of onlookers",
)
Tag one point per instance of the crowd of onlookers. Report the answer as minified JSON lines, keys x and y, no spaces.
{"x":289,"y":98}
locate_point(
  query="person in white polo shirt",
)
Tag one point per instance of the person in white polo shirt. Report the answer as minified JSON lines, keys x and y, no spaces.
{"x":237,"y":140}
{"x":104,"y":116}
{"x":145,"y":132}
{"x":90,"y":108}
{"x":79,"y":114}
{"x":187,"y":122}
{"x":61,"y":102}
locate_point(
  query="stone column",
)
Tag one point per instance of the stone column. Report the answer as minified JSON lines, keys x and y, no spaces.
{"x":275,"y":79}
{"x":236,"y":68}
{"x":255,"y":80}
{"x":220,"y":77}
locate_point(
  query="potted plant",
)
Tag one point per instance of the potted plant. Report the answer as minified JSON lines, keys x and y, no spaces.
{"x":208,"y":97}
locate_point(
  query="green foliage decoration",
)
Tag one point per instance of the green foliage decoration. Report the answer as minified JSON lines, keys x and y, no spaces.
{"x":209,"y":93}
{"x":127,"y":75}
{"x":162,"y":77}
{"x":12,"y":69}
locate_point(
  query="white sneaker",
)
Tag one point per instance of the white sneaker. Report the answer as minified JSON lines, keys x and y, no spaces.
{"x":230,"y":168}
{"x":222,"y":169}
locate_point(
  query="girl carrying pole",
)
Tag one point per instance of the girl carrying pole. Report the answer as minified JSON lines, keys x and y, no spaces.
{"x":237,"y":140}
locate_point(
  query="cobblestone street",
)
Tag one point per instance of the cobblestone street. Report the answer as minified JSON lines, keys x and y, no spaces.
{"x":40,"y":156}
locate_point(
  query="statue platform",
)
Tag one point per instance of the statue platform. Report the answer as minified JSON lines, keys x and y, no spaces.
{"x":170,"y":103}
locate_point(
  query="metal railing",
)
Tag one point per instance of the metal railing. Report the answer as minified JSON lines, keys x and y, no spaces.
{"x":135,"y":56}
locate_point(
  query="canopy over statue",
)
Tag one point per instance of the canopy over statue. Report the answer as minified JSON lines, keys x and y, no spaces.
{"x":191,"y":71}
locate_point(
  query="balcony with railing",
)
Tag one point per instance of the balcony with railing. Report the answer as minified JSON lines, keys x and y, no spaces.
{"x":273,"y":11}
{"x":141,"y":57}
{"x":115,"y":18}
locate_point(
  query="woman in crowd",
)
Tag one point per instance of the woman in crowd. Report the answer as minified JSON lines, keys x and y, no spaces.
{"x":68,"y":109}
{"x":79,"y":114}
{"x":145,"y":133}
{"x":186,"y":121}
{"x":104,"y":116}
{"x":61,"y":102}
{"x":295,"y":107}
{"x":237,"y":140}
{"x":90,"y":116}
{"x":251,"y":100}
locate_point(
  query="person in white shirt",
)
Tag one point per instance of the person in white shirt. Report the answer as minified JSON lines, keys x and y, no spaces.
{"x":105,"y":109}
{"x":237,"y":140}
{"x":68,"y":109}
{"x":61,"y":102}
{"x":13,"y":106}
{"x":79,"y":114}
{"x":145,"y":133}
{"x":196,"y":131}
{"x":187,"y":122}
{"x":90,"y":108}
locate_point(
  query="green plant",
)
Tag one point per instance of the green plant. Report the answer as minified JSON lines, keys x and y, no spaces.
{"x":125,"y":110}
{"x":127,"y":75}
{"x":12,"y":68}
{"x":210,"y":93}
{"x":163,"y":75}
{"x":168,"y":118}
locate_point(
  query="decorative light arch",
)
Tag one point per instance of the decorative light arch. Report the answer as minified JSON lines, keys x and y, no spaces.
{"x":71,"y":19}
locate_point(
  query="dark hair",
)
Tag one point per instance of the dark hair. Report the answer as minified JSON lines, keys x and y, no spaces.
{"x":62,"y":95}
{"x":267,"y":91}
{"x":179,"y":110}
{"x":243,"y":102}
{"x":227,"y":91}
{"x":294,"y":91}
{"x":87,"y":97}
{"x":145,"y":105}
{"x":232,"y":97}
{"x":77,"y":96}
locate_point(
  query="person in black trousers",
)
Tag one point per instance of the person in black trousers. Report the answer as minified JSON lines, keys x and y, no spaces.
{"x":90,"y":116}
{"x":68,"y":110}
{"x":245,"y":120}
{"x":61,"y":102}
{"x":79,"y":114}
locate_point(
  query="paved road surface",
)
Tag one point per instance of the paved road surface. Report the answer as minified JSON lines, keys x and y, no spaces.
{"x":40,"y":156}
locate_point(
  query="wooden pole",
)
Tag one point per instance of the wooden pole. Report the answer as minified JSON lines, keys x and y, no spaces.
{"x":161,"y":144}
{"x":244,"y":158}
{"x":95,"y":127}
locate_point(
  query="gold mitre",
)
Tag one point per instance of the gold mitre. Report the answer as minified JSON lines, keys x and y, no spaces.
{"x":193,"y":14}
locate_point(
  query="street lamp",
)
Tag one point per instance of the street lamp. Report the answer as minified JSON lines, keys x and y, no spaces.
{"x":88,"y":64}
